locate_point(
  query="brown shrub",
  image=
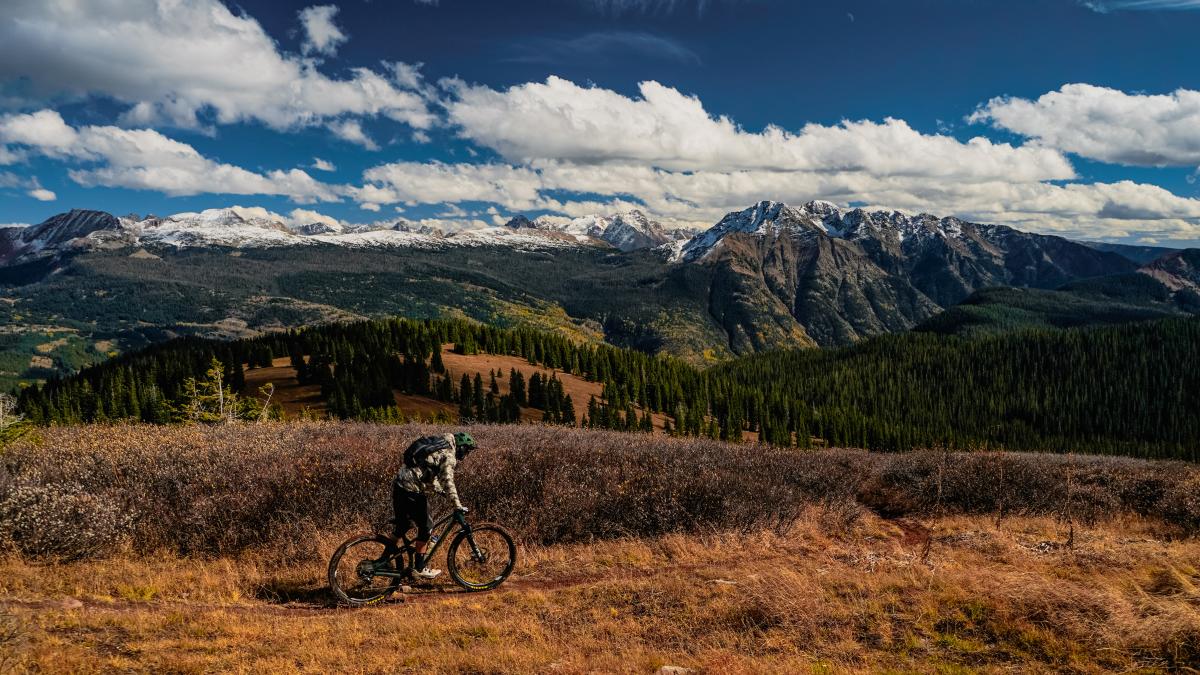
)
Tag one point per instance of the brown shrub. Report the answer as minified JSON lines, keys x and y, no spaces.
{"x":81,"y":490}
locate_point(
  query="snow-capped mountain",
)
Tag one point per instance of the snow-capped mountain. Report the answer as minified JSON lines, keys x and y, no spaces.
{"x":82,"y":229}
{"x":319,"y":227}
{"x":629,"y":231}
{"x":765,"y":218}
{"x":846,"y":273}
{"x":86,"y":230}
{"x":769,"y":276}
{"x":60,"y":232}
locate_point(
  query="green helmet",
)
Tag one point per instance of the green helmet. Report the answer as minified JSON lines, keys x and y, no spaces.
{"x":463,"y":443}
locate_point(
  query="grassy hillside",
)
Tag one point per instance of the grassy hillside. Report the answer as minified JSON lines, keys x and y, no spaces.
{"x":296,"y":399}
{"x":203,"y":548}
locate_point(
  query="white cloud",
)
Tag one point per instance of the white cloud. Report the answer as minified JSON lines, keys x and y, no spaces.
{"x":1106,"y":124}
{"x":1104,"y":6}
{"x":322,"y":165}
{"x":147,"y":160}
{"x":29,"y":184}
{"x":306,"y":216}
{"x":321,"y":35}
{"x":664,"y":128}
{"x":435,"y":182}
{"x":352,"y":132}
{"x":697,"y":199}
{"x":179,"y":62}
{"x":572,"y":149}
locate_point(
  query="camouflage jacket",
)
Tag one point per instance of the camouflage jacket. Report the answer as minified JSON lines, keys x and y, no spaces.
{"x":436,"y":471}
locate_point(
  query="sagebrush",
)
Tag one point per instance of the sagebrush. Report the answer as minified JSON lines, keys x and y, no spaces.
{"x":79,"y":491}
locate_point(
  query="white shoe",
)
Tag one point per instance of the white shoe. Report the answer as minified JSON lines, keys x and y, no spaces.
{"x":426,"y":573}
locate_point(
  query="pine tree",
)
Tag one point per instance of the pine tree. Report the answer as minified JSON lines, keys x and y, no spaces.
{"x":478,"y":397}
{"x":516,"y":386}
{"x":568,"y":411}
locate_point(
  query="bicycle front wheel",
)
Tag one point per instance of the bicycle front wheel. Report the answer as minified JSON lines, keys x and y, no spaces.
{"x":354,"y":570}
{"x":481,"y":559}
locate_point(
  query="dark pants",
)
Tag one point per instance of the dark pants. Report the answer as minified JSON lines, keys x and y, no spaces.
{"x":410,"y":507}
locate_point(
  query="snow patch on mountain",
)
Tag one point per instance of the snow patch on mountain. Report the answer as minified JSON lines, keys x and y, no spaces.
{"x":629,"y":231}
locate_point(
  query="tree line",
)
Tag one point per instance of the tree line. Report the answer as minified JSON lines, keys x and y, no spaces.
{"x":1130,"y":389}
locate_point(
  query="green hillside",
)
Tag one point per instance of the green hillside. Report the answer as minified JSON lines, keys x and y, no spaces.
{"x":1130,"y":389}
{"x":1091,"y":302}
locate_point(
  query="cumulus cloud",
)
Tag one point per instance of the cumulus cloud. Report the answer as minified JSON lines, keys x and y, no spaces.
{"x":181,"y":63}
{"x":1105,"y":124}
{"x":700,"y":198}
{"x":306,"y":216}
{"x":665,"y":128}
{"x":569,"y":149}
{"x":322,"y":165}
{"x":147,"y":160}
{"x":321,"y":35}
{"x":352,"y":132}
{"x":30,"y":185}
{"x":435,"y":182}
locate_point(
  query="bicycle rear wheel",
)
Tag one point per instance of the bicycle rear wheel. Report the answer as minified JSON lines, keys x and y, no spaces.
{"x":482,"y":559}
{"x":354,"y":570}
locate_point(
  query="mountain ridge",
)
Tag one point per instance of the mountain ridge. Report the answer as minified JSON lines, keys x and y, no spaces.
{"x":770,"y":276}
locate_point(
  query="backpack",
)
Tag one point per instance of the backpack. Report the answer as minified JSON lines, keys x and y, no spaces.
{"x":420,"y":450}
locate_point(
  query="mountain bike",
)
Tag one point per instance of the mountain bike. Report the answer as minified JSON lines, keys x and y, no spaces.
{"x":366,"y":569}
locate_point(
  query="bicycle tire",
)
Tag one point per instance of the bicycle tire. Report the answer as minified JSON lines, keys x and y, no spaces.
{"x":379,"y":594}
{"x":506,"y":543}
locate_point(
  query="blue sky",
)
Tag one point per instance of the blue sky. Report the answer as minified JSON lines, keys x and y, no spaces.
{"x":1052,"y":115}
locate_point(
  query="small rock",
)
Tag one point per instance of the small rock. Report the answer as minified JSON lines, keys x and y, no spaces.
{"x":72,"y":603}
{"x":674,"y":670}
{"x":724,"y":582}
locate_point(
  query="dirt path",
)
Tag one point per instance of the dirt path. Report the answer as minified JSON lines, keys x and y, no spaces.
{"x":321,"y":603}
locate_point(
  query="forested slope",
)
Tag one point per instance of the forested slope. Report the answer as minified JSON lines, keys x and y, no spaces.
{"x":1130,"y":389}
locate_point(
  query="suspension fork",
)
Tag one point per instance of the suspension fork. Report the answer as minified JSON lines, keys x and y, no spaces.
{"x":466,"y":528}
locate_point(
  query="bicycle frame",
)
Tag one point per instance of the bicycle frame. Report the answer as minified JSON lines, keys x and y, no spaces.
{"x":451,"y":519}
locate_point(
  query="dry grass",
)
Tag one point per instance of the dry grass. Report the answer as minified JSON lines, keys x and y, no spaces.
{"x":982,"y":598}
{"x":203,"y":549}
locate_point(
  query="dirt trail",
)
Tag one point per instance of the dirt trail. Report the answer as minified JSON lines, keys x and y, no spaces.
{"x":322,"y":604}
{"x":314,"y":599}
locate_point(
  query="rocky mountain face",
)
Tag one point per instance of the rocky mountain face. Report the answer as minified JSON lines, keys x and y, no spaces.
{"x":57,"y":233}
{"x":1179,"y":271}
{"x":838,"y":275}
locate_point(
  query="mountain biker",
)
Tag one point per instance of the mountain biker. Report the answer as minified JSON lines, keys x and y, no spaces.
{"x":428,"y":462}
